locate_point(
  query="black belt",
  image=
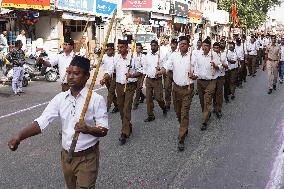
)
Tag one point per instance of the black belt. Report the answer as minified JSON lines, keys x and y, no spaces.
{"x":130,"y":83}
{"x":84,"y":152}
{"x":183,"y":87}
{"x":206,"y":79}
{"x":154,"y":78}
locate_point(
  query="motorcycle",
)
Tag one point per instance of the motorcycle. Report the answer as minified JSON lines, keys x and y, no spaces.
{"x":36,"y":69}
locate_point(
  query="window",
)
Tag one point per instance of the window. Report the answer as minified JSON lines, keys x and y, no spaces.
{"x":76,"y":25}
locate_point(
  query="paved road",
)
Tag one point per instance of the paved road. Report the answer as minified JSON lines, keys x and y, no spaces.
{"x":238,"y":151}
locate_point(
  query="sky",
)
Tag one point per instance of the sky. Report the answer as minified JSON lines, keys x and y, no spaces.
{"x":277,"y":13}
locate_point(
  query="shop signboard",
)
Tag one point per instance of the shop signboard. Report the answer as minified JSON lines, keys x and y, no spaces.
{"x":195,"y":16}
{"x":24,"y":4}
{"x":105,"y":7}
{"x":81,"y":6}
{"x":181,"y":9}
{"x":162,"y":6}
{"x":136,"y":4}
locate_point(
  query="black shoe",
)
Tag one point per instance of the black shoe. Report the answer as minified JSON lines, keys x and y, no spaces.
{"x":165,"y":112}
{"x":227,"y":100}
{"x":253,"y":75}
{"x":233,"y":97}
{"x":203,"y":127}
{"x":241,"y":86}
{"x":130,"y":130}
{"x":249,"y":74}
{"x":269,"y":91}
{"x":135,"y":107}
{"x":115,"y":109}
{"x":181,"y":146}
{"x":219,"y":115}
{"x":149,"y":119}
{"x":245,"y":80}
{"x":168,"y":107}
{"x":122,"y":139}
{"x":274,"y":87}
{"x":209,"y":115}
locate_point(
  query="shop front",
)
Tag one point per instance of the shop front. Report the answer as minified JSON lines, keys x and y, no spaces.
{"x":180,"y":18}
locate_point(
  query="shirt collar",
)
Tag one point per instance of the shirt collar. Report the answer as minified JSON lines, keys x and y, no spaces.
{"x":71,"y":54}
{"x":82,"y":93}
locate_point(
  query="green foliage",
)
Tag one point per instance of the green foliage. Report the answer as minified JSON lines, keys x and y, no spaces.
{"x":251,"y":13}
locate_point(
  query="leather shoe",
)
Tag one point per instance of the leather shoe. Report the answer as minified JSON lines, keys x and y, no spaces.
{"x":274,"y":87}
{"x":115,"y":109}
{"x":269,"y":91}
{"x":203,"y":127}
{"x":233,"y":97}
{"x":149,"y":119}
{"x":122,"y":139}
{"x":165,"y":112}
{"x":219,"y":115}
{"x":181,"y":146}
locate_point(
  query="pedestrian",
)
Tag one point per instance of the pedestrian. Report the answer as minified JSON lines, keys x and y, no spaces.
{"x":242,"y":71}
{"x":108,"y":61}
{"x":62,"y":60}
{"x":168,"y":77}
{"x":139,"y":59}
{"x":83,"y":170}
{"x":154,"y":85}
{"x":183,"y":88}
{"x":220,"y":81}
{"x":126,"y":82}
{"x":272,"y":60}
{"x":251,"y":51}
{"x":281,"y":63}
{"x":17,"y":57}
{"x":205,"y":67}
{"x":22,"y":37}
{"x":3,"y":42}
{"x":231,"y":81}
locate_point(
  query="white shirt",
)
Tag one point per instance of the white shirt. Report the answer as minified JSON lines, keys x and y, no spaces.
{"x":121,"y":67}
{"x":203,"y":68}
{"x":232,"y":56}
{"x":195,"y":53}
{"x":181,"y":66}
{"x":251,"y":48}
{"x":3,"y":40}
{"x":163,"y":53}
{"x":151,"y":63}
{"x":63,"y":61}
{"x":168,"y":56}
{"x":260,"y":43}
{"x":139,"y":60}
{"x":282,"y":53}
{"x":107,"y":62}
{"x":69,"y":108}
{"x":266,"y":42}
{"x":240,"y":52}
{"x":221,"y":58}
{"x":24,"y":41}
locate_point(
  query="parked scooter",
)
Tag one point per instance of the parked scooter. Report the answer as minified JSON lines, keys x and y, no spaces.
{"x":36,"y":69}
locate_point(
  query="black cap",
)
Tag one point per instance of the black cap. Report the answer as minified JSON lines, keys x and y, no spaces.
{"x":216,"y":44}
{"x":69,"y":40}
{"x":174,"y":41}
{"x":155,"y":42}
{"x":207,"y":41}
{"x":138,"y":45}
{"x":122,"y":42}
{"x":110,"y":45}
{"x":238,"y":40}
{"x":81,"y":62}
{"x":181,"y":38}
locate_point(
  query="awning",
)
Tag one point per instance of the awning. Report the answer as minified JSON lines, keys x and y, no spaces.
{"x":73,"y":16}
{"x":159,"y":16}
{"x":24,"y":4}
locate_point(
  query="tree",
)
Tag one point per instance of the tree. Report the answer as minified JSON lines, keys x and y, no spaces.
{"x":251,"y":13}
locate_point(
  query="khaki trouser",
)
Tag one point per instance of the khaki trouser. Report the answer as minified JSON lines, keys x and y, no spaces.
{"x":242,"y":71}
{"x":82,"y":172}
{"x":206,"y":90}
{"x":154,"y":87}
{"x":168,"y":79}
{"x":233,"y":80}
{"x":124,"y":101}
{"x":111,"y":96}
{"x":138,"y":91}
{"x":182,"y":97}
{"x":272,"y":72}
{"x":218,"y":95}
{"x":252,"y":64}
{"x":227,"y":90}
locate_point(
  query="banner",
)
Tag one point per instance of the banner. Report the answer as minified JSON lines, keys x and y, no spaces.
{"x":105,"y":7}
{"x":24,"y":4}
{"x":181,"y":9}
{"x":136,"y":4}
{"x":82,"y":6}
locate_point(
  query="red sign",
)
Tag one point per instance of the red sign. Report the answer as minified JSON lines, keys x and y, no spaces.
{"x":27,"y":4}
{"x":195,"y":16}
{"x":136,"y":4}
